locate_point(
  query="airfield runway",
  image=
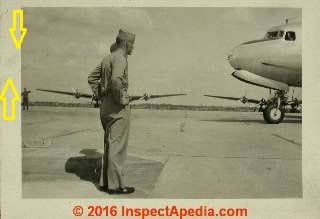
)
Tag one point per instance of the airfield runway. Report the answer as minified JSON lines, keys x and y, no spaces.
{"x":172,"y":154}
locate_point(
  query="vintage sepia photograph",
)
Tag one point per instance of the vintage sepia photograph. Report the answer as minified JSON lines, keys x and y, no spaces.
{"x":172,"y":103}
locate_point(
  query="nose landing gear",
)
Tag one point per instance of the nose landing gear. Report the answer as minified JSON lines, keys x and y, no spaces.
{"x":274,"y":110}
{"x":273,"y":114}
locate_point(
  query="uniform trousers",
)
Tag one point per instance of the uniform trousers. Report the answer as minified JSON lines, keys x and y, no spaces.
{"x":115,"y":121}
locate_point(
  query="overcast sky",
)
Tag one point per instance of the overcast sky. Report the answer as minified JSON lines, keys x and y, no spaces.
{"x":176,"y":49}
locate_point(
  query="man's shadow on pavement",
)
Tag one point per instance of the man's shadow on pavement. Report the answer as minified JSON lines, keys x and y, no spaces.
{"x":87,"y":167}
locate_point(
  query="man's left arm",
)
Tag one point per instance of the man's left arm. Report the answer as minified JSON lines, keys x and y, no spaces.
{"x":118,"y":82}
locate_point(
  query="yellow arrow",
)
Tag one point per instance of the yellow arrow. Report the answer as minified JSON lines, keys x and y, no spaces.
{"x":3,"y":98}
{"x":16,"y":40}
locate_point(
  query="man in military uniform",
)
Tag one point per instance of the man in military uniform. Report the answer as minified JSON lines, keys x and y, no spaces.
{"x":109,"y":82}
{"x":25,"y":99}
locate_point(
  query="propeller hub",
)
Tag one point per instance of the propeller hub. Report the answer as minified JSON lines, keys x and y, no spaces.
{"x":244,"y":99}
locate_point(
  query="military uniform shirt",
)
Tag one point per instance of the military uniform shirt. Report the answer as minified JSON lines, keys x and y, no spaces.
{"x":112,"y":73}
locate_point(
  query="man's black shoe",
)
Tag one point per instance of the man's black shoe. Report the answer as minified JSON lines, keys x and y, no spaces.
{"x":125,"y":190}
{"x":103,"y":188}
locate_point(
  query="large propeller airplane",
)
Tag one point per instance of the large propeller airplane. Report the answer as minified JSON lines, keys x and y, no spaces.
{"x":273,"y":62}
{"x":77,"y":94}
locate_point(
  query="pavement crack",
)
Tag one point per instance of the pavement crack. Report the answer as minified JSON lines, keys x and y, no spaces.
{"x":40,"y":122}
{"x":287,"y":139}
{"x":68,"y":133}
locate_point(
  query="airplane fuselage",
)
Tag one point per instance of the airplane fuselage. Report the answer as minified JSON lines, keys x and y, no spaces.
{"x":272,"y":62}
{"x":276,"y":57}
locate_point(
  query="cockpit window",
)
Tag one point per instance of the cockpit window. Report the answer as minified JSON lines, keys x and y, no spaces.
{"x":274,"y":34}
{"x":290,"y":36}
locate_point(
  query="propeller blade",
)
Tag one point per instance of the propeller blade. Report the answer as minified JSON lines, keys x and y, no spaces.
{"x":242,"y":99}
{"x":165,"y":95}
{"x":146,"y":97}
{"x":253,"y":101}
{"x":78,"y":94}
{"x":223,"y":97}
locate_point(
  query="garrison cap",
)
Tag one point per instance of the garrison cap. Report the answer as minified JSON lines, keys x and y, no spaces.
{"x":125,"y":35}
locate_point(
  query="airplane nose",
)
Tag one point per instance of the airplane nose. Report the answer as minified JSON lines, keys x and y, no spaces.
{"x":235,"y":57}
{"x":232,"y":59}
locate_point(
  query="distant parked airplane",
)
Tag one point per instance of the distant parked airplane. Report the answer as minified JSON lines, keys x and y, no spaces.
{"x":77,"y":94}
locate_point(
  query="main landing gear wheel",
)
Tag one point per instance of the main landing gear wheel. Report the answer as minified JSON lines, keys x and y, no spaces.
{"x":273,"y":115}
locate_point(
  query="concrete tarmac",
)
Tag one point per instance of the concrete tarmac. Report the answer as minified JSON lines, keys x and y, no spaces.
{"x":172,"y":154}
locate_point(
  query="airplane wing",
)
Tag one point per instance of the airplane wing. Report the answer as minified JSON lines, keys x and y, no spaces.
{"x":76,"y":94}
{"x":242,"y":99}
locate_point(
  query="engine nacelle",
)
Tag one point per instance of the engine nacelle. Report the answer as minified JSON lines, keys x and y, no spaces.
{"x":257,"y":80}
